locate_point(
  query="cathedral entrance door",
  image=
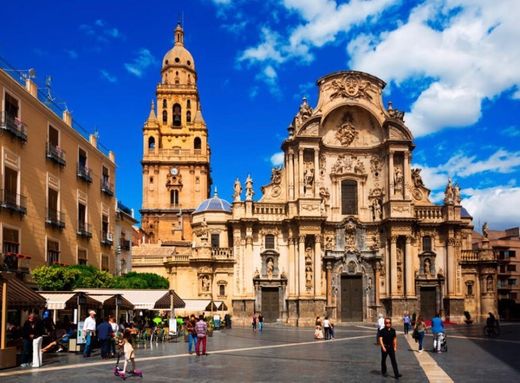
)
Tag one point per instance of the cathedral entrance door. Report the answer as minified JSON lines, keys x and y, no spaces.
{"x":351,"y":298}
{"x":428,"y":302}
{"x":270,"y":303}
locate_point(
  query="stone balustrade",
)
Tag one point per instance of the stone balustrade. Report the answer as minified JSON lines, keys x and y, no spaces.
{"x":269,"y":211}
{"x":429,"y":213}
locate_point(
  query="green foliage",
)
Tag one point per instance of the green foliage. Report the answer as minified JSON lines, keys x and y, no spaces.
{"x":135,"y":280}
{"x":66,"y":278}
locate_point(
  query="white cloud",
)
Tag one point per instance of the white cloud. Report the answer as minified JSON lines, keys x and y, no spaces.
{"x":107,"y":76}
{"x":277,"y":159}
{"x":466,"y":49}
{"x":267,"y":50}
{"x":511,"y":131}
{"x":497,"y":206}
{"x":140,"y":63}
{"x":72,"y":53}
{"x":99,"y":29}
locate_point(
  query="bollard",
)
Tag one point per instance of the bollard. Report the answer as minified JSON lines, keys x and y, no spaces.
{"x":37,"y":352}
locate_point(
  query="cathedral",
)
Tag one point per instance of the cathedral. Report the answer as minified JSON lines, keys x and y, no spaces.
{"x":344,"y":228}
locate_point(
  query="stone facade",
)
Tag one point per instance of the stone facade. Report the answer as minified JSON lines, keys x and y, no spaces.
{"x":344,"y":228}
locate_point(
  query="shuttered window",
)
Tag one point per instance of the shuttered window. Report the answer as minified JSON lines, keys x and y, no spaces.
{"x":348,"y":197}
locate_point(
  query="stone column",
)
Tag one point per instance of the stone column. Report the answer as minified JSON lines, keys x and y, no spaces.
{"x":317,"y":265}
{"x":300,"y":271}
{"x":393,"y":267}
{"x":290,"y":173}
{"x":248,"y":262}
{"x":452,"y":266}
{"x":238,"y":259}
{"x":407,"y":176}
{"x":316,"y":173}
{"x":391,"y":176}
{"x":329,"y":284}
{"x":409,"y":273}
{"x":377,"y":276}
{"x":299,"y":182}
{"x":292,"y":268}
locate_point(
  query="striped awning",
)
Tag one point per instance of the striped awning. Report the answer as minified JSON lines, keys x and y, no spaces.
{"x":110,"y":300}
{"x":20,"y":296}
{"x":60,"y":300}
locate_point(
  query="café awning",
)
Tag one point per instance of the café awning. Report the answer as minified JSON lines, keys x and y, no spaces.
{"x":20,"y":296}
{"x":165,"y":302}
{"x":110,"y":300}
{"x":60,"y":300}
{"x":216,"y":306}
{"x":141,"y":299}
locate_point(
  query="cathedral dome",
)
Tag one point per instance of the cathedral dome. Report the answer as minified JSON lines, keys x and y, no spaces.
{"x":178,"y":56}
{"x":214,"y":204}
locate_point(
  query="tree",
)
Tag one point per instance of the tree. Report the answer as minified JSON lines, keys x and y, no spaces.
{"x":133,"y":280}
{"x":66,"y":278}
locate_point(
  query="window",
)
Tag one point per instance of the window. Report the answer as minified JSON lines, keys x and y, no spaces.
{"x":197,"y":143}
{"x":188,"y":116}
{"x":222,"y":290}
{"x":104,"y":262}
{"x":469,"y":289}
{"x":427,"y":243}
{"x":348,"y":197}
{"x":11,"y":242}
{"x":215,"y":240}
{"x":151,"y":143}
{"x":104,"y":227}
{"x":52,"y":205}
{"x":511,"y":267}
{"x":502,"y":268}
{"x":82,"y":257}
{"x":53,"y":252}
{"x":105,"y":177}
{"x":174,"y":197}
{"x":82,"y":217}
{"x":165,"y":117}
{"x":151,"y":180}
{"x":164,"y":104}
{"x":82,"y":158}
{"x":511,"y":282}
{"x":11,"y":107}
{"x":188,"y":104}
{"x":269,"y":241}
{"x":54,"y":137}
{"x":176,"y":115}
{"x":10,"y":186}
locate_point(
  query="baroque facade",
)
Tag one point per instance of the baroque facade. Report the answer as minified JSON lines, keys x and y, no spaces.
{"x":345,"y":226}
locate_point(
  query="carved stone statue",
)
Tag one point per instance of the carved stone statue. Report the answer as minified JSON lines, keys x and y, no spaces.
{"x":416,"y":178}
{"x":205,"y":283}
{"x":427,"y":267}
{"x":377,"y":213}
{"x":398,"y":180}
{"x":308,"y":277}
{"x":237,"y":190}
{"x":270,"y":268}
{"x":249,"y":188}
{"x":456,"y":194}
{"x":324,"y":195}
{"x":257,"y":273}
{"x":485,"y":230}
{"x":276,"y":176}
{"x":449,"y":193}
{"x":308,"y":180}
{"x":489,"y":283}
{"x":308,"y":255}
{"x":347,"y":132}
{"x":359,"y":168}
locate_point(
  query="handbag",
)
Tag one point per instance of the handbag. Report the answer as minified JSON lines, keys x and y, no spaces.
{"x":415,"y":334}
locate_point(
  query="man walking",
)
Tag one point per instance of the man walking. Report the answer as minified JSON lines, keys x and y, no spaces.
{"x":202,"y":330}
{"x":105,"y":335}
{"x":260,"y":322}
{"x":89,"y":330}
{"x":388,"y":343}
{"x":437,"y":329}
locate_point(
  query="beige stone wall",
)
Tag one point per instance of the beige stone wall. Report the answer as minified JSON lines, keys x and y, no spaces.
{"x":36,"y":173}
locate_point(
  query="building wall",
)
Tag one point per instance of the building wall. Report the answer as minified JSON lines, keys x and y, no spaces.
{"x":37,"y":172}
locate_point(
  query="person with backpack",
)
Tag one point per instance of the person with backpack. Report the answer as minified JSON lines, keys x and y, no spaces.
{"x":201,"y":328}
{"x":192,"y":334}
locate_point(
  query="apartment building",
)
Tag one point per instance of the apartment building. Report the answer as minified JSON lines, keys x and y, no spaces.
{"x":57,"y":195}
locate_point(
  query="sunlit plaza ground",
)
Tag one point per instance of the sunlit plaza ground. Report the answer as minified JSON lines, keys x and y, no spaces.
{"x":290,"y":354}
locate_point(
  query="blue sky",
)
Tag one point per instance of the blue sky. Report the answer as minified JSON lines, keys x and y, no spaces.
{"x":452,"y":65}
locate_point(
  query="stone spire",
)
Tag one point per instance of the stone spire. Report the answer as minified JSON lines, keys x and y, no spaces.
{"x":179,"y":35}
{"x":152,"y":117}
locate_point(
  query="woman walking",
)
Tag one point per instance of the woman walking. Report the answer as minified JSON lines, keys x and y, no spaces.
{"x":420,"y":330}
{"x":254,"y":320}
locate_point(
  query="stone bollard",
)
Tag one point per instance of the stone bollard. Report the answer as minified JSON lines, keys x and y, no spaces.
{"x":37,"y":352}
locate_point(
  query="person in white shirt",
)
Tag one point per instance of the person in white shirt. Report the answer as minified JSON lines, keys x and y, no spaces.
{"x":326,"y":328}
{"x":380,"y":325}
{"x":89,"y":330}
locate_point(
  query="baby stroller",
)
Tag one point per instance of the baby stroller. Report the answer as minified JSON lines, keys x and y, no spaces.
{"x":118,"y":371}
{"x":441,"y":338}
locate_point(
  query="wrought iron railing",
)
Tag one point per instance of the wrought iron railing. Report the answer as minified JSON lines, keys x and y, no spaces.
{"x":107,"y":187}
{"x":12,"y":201}
{"x":55,"y":218}
{"x":84,"y":230}
{"x":106,"y":238}
{"x":14,"y":126}
{"x":55,"y":153}
{"x":84,"y":172}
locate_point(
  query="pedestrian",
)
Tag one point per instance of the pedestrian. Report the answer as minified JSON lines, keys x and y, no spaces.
{"x":115,"y":330}
{"x":129,"y":351}
{"x":105,"y":335}
{"x":254,"y":320}
{"x":201,"y":328}
{"x":32,"y":329}
{"x":191,"y":333}
{"x":407,"y":321}
{"x":437,"y":330}
{"x":260,"y":322}
{"x":420,"y":330}
{"x":89,"y":330}
{"x":380,"y":325}
{"x":326,"y":328}
{"x":388,"y":343}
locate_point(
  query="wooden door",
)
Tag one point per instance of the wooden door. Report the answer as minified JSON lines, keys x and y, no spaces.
{"x":270,"y":304}
{"x":351,"y":299}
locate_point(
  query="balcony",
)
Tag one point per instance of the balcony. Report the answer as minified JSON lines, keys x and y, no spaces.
{"x":55,"y":154}
{"x":14,"y":126}
{"x":107,"y":187}
{"x":14,"y":262}
{"x":55,"y":219}
{"x":84,"y":173}
{"x":13,"y":202}
{"x":106,"y":238}
{"x":84,"y":230}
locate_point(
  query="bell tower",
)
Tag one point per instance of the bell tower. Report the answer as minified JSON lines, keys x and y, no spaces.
{"x":176,"y":153}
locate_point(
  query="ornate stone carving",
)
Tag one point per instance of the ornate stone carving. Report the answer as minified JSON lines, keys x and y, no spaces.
{"x":324,"y":195}
{"x":485,"y":230}
{"x":323,"y":164}
{"x":174,"y":181}
{"x":449,"y":193}
{"x":376,"y":207}
{"x":308,"y":181}
{"x":350,"y":86}
{"x":237,"y":190}
{"x":394,"y":113}
{"x":329,"y":242}
{"x":276,"y":176}
{"x":416,"y":178}
{"x":376,"y":164}
{"x":303,"y":114}
{"x":350,"y":236}
{"x":398,"y":180}
{"x":249,"y":188}
{"x":347,"y":132}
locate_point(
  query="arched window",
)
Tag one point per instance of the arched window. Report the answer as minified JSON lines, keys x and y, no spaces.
{"x":188,"y":116}
{"x":188,"y":104}
{"x":189,"y":79}
{"x":151,"y":143}
{"x":177,"y":115}
{"x":427,"y":243}
{"x":164,"y":116}
{"x":269,"y":241}
{"x":174,"y":197}
{"x":164,"y":104}
{"x":348,"y":197}
{"x":197,"y":143}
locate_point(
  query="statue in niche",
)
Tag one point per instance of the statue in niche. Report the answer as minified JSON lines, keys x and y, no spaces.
{"x":351,"y":267}
{"x":485,"y":231}
{"x":270,"y":268}
{"x":448,"y":192}
{"x":416,"y":178}
{"x":399,"y":278}
{"x":369,"y":283}
{"x":377,"y":212}
{"x":249,"y":188}
{"x":489,"y":284}
{"x":398,"y":180}
{"x":324,"y":195}
{"x":359,"y":168}
{"x":237,"y":190}
{"x":329,"y":242}
{"x":308,"y":180}
{"x":205,"y":283}
{"x":399,"y":256}
{"x":427,"y":267}
{"x":308,"y":255}
{"x":308,"y":277}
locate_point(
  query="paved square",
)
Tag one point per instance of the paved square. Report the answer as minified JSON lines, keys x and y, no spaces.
{"x":286,"y":354}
